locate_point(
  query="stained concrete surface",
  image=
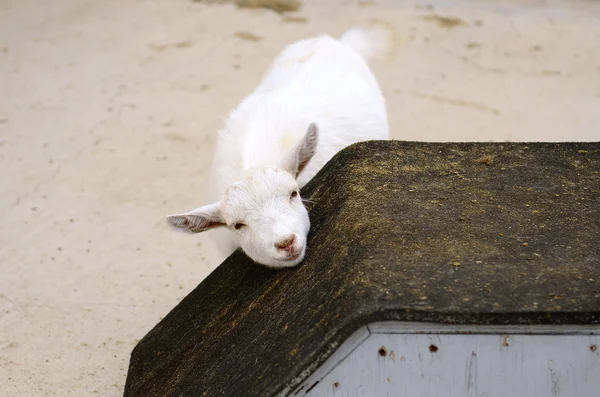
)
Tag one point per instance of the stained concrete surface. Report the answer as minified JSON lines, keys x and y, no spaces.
{"x":108,"y":111}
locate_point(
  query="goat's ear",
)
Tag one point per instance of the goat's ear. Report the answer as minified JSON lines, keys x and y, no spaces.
{"x":198,"y":220}
{"x":306,"y":149}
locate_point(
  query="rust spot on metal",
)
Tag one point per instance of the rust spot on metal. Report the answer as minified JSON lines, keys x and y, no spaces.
{"x":382,"y":351}
{"x":505,"y":341}
{"x":433,"y":348}
{"x":593,"y":348}
{"x":336,"y":385}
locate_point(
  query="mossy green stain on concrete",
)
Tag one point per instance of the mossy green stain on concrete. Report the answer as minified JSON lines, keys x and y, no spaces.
{"x":451,"y":233}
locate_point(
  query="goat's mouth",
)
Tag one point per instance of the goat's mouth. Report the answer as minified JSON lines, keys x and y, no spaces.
{"x":291,"y":255}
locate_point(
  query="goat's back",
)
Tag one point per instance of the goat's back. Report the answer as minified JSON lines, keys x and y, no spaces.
{"x":318,"y":80}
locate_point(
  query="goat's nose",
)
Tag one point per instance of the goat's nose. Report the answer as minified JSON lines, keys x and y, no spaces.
{"x":285,"y":243}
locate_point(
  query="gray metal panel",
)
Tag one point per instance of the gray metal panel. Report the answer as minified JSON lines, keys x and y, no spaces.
{"x":412,"y":359}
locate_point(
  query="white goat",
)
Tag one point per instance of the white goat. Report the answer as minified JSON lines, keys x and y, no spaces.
{"x":318,"y":97}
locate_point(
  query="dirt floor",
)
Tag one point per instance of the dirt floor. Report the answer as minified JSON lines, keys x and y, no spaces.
{"x":108,"y":111}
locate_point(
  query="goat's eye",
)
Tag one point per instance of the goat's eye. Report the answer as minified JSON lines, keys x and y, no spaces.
{"x":294,"y":194}
{"x":238,"y":226}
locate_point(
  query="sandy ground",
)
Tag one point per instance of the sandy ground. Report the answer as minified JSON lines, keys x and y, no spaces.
{"x":108,"y":111}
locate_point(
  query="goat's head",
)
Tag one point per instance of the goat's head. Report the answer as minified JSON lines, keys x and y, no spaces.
{"x":264,"y":210}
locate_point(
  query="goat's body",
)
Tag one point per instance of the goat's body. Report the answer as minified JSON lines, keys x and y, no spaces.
{"x":320,"y":80}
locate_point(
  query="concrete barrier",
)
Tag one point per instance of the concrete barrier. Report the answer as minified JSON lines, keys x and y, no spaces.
{"x":407,"y":238}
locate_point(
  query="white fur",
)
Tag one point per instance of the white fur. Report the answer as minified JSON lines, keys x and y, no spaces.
{"x":318,"y":97}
